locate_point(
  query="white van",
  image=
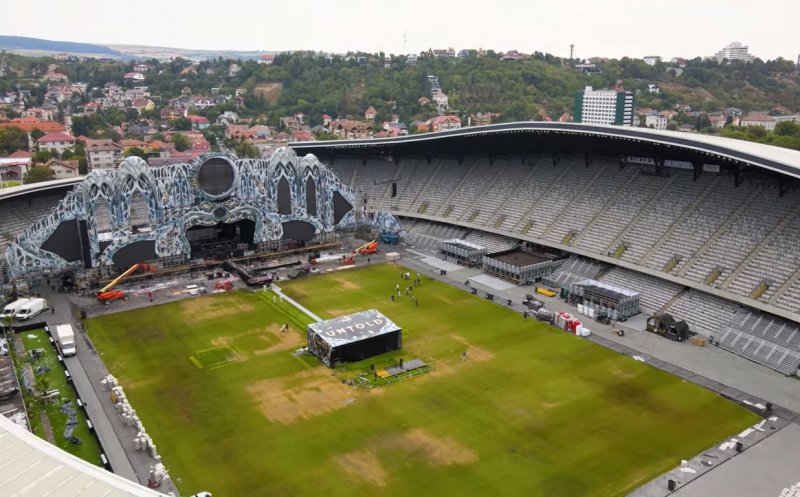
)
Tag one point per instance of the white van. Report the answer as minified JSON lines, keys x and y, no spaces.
{"x":11,"y":309}
{"x":30,"y":309}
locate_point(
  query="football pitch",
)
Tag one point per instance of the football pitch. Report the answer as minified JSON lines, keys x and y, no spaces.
{"x":531,"y":411}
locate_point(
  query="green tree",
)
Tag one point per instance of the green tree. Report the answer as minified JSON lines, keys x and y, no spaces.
{"x":181,"y":142}
{"x":181,"y":124}
{"x":37,"y":174}
{"x":135,"y":151}
{"x":12,"y":139}
{"x":36,"y":133}
{"x":43,"y":156}
{"x":246,"y":149}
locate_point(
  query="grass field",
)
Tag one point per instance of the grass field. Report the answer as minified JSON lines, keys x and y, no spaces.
{"x":532,"y":411}
{"x":49,"y":374}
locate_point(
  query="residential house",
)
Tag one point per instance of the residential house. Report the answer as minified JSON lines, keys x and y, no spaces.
{"x":293,"y":123}
{"x":56,"y":142}
{"x":130,"y":143}
{"x":302,"y":136}
{"x":440,"y":52}
{"x":441,"y":99}
{"x":141,"y":68}
{"x":55,"y":77}
{"x":653,"y":88}
{"x":103,"y":154}
{"x":759,"y":119}
{"x":717,"y":120}
{"x":203,"y":102}
{"x":651,"y":60}
{"x":655,"y":121}
{"x":133,"y":76}
{"x":411,"y":59}
{"x":483,"y":118}
{"x":512,"y":55}
{"x":198,"y":122}
{"x":233,"y":69}
{"x":443,"y":123}
{"x":15,"y":166}
{"x":326,"y":120}
{"x":239,"y":132}
{"x":228,"y":117}
{"x":267,"y":59}
{"x":370,"y":113}
{"x":423,"y":101}
{"x":143,"y":104}
{"x":38,"y":113}
{"x":348,"y":129}
{"x":63,"y":169}
{"x":420,"y":126}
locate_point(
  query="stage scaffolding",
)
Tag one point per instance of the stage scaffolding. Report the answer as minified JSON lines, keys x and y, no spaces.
{"x":461,"y":252}
{"x":602,"y":298}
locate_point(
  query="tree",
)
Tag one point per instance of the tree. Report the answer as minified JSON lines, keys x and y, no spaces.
{"x":37,"y":174}
{"x":181,"y":124}
{"x":36,"y":133}
{"x":12,"y":139}
{"x":135,"y":152}
{"x":43,"y":156}
{"x":181,"y":142}
{"x":246,"y":149}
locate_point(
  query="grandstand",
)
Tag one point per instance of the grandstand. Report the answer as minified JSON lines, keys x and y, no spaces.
{"x":701,"y":227}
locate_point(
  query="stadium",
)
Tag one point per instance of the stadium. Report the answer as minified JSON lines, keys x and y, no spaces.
{"x":631,"y":235}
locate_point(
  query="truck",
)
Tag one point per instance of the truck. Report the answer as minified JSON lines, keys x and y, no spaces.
{"x":66,"y":339}
{"x":11,"y":309}
{"x":30,"y":309}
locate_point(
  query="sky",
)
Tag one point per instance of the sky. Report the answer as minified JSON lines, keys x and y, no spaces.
{"x":605,"y":28}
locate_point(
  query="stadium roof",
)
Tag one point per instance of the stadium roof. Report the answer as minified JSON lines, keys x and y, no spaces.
{"x":15,"y":191}
{"x":31,"y":466}
{"x":605,"y":139}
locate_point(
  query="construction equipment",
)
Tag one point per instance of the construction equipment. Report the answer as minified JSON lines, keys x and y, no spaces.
{"x":367,"y":248}
{"x":224,"y":285}
{"x":347,"y":260}
{"x":106,"y":295}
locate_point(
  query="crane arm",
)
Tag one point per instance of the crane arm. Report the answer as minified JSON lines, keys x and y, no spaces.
{"x":119,"y":278}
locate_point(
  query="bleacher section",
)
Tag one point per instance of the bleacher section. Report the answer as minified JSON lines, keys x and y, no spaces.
{"x":574,"y":269}
{"x":655,"y":293}
{"x":769,"y":341}
{"x":493,"y":243}
{"x":707,"y":230}
{"x":704,"y":313}
{"x":17,"y":214}
{"x":427,"y":235}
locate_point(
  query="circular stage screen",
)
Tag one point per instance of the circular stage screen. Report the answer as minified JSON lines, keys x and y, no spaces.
{"x":215,"y":176}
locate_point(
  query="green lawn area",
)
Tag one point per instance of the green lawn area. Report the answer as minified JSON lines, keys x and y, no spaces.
{"x":49,"y":374}
{"x":533,"y":411}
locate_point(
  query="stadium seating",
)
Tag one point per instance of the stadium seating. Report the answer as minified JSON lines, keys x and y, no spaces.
{"x":770,"y":341}
{"x":654,"y":292}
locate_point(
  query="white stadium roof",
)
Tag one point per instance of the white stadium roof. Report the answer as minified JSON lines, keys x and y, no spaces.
{"x":30,"y":466}
{"x":778,"y":159}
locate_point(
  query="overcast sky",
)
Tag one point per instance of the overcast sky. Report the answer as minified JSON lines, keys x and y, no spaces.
{"x":609,"y":28}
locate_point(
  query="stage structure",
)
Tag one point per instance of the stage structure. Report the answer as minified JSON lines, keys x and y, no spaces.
{"x":353,"y":337}
{"x":461,"y":252}
{"x":519,"y":265}
{"x":601,"y":299}
{"x":142,"y":213}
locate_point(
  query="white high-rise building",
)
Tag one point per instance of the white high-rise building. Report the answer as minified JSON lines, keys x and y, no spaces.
{"x":734,"y":51}
{"x":604,"y":107}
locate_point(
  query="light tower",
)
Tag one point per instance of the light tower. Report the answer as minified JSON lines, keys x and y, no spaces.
{"x":571,"y":49}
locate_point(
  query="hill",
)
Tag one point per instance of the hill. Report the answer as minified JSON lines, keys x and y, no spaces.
{"x":25,"y":44}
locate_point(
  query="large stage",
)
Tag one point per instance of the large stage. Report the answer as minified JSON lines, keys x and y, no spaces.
{"x":353,"y":337}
